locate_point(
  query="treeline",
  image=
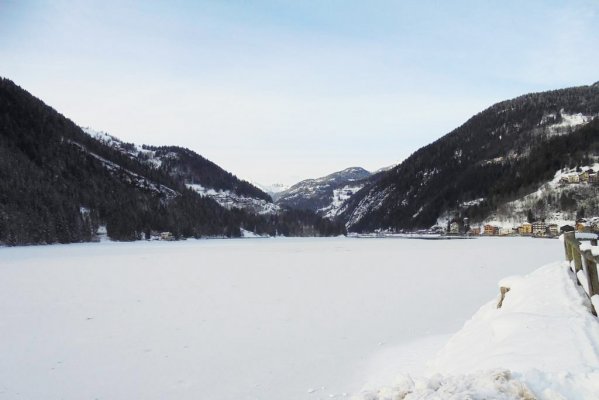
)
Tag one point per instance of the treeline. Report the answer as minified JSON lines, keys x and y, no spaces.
{"x":291,"y":222}
{"x":193,"y":216}
{"x":58,"y":184}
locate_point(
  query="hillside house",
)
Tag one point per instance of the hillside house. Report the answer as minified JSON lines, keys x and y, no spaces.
{"x":525,"y":229}
{"x":593,"y":178}
{"x":582,"y":226}
{"x":539,"y":228}
{"x":505,"y":231}
{"x":491,"y":230}
{"x":583,"y":176}
{"x":475,"y":231}
{"x":573,"y":178}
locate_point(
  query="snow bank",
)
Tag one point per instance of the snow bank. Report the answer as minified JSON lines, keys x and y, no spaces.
{"x":543,"y":343}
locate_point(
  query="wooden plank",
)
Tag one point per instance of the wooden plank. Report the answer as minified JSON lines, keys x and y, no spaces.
{"x":585,"y":264}
{"x":568,"y":248}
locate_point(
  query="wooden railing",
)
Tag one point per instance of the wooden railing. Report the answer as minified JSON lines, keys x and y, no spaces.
{"x":583,"y":262}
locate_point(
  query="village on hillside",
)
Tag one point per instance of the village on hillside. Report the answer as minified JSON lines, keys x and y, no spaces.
{"x":533,"y":227}
{"x":539,"y":229}
{"x":536,"y":228}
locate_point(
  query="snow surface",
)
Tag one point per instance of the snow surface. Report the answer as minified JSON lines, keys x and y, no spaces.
{"x":543,"y":343}
{"x":238,"y":319}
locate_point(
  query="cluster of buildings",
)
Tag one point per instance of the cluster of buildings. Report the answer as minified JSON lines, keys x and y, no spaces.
{"x":537,"y":228}
{"x":588,"y":176}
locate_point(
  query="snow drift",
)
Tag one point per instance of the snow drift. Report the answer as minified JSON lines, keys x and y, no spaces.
{"x":543,"y":343}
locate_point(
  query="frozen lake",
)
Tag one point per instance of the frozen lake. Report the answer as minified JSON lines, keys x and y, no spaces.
{"x":239,"y":319}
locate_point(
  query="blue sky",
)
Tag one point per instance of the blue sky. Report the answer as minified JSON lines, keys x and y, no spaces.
{"x":278,"y":91}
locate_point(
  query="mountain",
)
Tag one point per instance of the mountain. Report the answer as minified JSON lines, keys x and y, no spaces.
{"x":195,"y":172}
{"x":59,"y":184}
{"x":324,"y":195}
{"x":498,"y":156}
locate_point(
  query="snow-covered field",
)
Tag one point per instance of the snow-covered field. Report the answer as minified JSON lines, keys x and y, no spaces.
{"x":240,"y":319}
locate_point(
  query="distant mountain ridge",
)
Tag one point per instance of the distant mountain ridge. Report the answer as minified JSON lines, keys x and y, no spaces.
{"x":501,"y":154}
{"x":324,"y":195}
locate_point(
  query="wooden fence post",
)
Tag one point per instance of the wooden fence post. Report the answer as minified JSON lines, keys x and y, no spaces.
{"x":567,"y":246}
{"x":577,"y":259}
{"x":592,"y":274}
{"x":585,"y":261}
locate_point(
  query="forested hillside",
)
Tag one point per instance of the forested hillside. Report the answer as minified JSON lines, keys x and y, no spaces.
{"x":498,"y":155}
{"x":58,"y":184}
{"x":324,"y":195}
{"x":187,"y":166}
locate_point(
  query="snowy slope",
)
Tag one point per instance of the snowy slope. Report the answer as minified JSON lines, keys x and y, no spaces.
{"x":325,"y":195}
{"x":547,"y":202}
{"x":543,"y":343}
{"x":340,"y":196}
{"x":567,"y":122}
{"x":157,"y":158}
{"x":229,"y":199}
{"x":133,"y":150}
